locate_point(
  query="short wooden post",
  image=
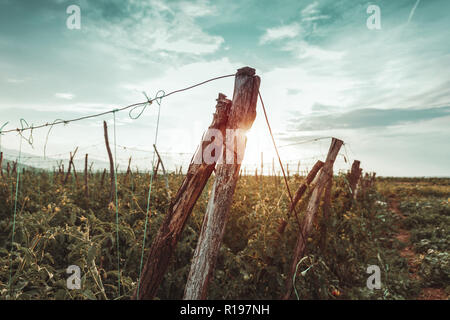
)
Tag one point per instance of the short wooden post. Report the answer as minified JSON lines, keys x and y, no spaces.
{"x":242,"y":115}
{"x":181,"y":207}
{"x":311,"y":210}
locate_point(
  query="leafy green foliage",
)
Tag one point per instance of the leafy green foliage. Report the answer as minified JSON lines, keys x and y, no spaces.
{"x":57,"y":226}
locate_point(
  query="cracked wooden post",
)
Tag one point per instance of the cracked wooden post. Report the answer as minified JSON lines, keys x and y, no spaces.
{"x":312,"y":209}
{"x":242,"y":115}
{"x":181,"y":207}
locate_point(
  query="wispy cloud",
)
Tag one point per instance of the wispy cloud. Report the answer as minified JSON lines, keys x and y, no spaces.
{"x":413,"y":10}
{"x":280,"y":32}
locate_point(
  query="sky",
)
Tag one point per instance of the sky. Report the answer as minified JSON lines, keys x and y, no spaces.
{"x":324,"y":72}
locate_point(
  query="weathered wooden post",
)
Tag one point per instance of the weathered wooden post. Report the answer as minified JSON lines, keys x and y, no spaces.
{"x":312,"y":209}
{"x":111,"y":161}
{"x":353,"y":177}
{"x":300,"y":191}
{"x":242,"y":115}
{"x":181,"y":207}
{"x":70,"y":165}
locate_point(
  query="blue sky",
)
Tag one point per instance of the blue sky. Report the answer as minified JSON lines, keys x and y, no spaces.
{"x":385,"y":92}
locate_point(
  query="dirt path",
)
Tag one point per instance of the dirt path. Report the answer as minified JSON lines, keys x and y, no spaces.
{"x":412,"y":258}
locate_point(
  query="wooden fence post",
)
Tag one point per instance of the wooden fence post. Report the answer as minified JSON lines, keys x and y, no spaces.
{"x":86,"y":188}
{"x":300,"y":191}
{"x":163,"y":169}
{"x":1,"y":162}
{"x":311,"y":210}
{"x":181,"y":207}
{"x":242,"y":115}
{"x":353,"y":177}
{"x":111,"y":161}
{"x":70,"y":165}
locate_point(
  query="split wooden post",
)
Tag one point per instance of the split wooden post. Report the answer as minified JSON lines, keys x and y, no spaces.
{"x":181,"y":207}
{"x":86,"y":187}
{"x":311,"y":210}
{"x":111,"y":161}
{"x":242,"y":115}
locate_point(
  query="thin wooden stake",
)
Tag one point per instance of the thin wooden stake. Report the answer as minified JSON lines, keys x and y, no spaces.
{"x":111,"y":161}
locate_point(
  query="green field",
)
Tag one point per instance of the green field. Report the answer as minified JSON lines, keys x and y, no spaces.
{"x":402,"y":225}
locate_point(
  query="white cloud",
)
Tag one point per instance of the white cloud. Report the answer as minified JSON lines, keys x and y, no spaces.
{"x":65,"y":96}
{"x":304,"y":50}
{"x":281,"y":32}
{"x":311,"y":9}
{"x":197,"y":9}
{"x":158,"y":27}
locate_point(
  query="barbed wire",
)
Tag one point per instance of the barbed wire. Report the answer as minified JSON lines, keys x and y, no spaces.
{"x":133,"y":106}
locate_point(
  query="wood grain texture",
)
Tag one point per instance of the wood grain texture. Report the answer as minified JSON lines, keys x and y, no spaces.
{"x":242,"y":115}
{"x":312,"y":209}
{"x":180,"y":209}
